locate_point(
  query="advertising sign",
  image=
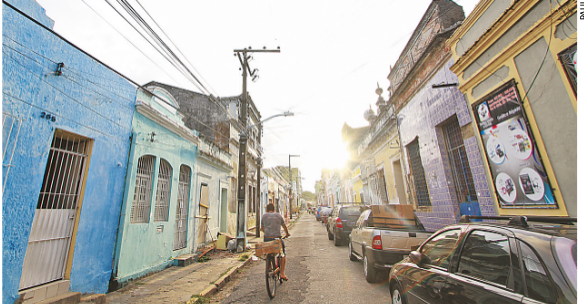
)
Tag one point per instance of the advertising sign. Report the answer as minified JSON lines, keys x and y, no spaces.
{"x":516,"y":168}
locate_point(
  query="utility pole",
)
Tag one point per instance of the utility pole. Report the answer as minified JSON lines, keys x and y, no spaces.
{"x":241,"y":170}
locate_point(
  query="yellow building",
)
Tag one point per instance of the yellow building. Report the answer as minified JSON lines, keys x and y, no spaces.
{"x":357,"y":184}
{"x":516,"y":66}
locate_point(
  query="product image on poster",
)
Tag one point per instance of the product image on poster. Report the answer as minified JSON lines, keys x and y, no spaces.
{"x":513,"y":158}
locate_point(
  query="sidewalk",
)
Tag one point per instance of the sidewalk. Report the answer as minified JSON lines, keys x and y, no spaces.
{"x":186,"y":284}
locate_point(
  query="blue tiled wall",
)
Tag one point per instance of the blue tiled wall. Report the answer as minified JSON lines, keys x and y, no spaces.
{"x":420,"y":118}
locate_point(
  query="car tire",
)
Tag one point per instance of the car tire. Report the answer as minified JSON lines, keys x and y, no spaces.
{"x":369,"y":271}
{"x":396,"y":295}
{"x":352,"y":256}
{"x":336,"y":240}
{"x":330,"y":236}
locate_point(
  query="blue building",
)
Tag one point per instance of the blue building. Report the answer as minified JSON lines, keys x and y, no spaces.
{"x":66,"y":127}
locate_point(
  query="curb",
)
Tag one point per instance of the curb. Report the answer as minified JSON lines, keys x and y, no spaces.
{"x":213,"y":289}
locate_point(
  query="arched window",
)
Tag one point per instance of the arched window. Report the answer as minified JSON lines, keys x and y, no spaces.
{"x":142,"y":190}
{"x":163,"y":192}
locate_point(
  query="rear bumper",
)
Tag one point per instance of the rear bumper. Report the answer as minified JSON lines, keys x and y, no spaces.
{"x":384,"y":258}
{"x":342,"y":234}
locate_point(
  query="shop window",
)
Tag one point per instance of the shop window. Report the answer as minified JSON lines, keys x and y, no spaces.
{"x":459,"y":167}
{"x":421,"y":188}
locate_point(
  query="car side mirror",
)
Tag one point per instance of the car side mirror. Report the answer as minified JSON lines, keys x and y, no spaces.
{"x":419,"y":258}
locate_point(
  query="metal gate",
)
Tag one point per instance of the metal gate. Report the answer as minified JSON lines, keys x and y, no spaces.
{"x":50,"y":236}
{"x":180,"y":229}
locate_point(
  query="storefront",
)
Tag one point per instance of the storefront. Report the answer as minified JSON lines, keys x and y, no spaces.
{"x":516,"y":65}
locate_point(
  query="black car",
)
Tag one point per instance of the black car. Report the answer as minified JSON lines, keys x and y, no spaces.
{"x":340,"y":223}
{"x":491,"y":262}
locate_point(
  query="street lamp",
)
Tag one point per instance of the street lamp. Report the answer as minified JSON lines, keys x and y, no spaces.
{"x":290,"y":180}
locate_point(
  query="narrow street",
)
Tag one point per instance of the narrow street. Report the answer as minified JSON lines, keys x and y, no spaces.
{"x":319,"y":272}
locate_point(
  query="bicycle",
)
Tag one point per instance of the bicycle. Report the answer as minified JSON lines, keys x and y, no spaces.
{"x":273,"y":262}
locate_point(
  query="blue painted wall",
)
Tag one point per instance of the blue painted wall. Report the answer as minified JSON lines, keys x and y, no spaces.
{"x":87,"y":99}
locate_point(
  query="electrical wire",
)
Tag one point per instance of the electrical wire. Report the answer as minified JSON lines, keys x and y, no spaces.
{"x":71,"y":79}
{"x":192,"y":66}
{"x":63,"y":93}
{"x":162,"y":46}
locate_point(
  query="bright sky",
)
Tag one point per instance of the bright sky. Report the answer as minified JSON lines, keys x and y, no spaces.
{"x":333,"y":54}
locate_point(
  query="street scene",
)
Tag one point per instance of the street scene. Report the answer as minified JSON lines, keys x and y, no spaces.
{"x":390,"y":152}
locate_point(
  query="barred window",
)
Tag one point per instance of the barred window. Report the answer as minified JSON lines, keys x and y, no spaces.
{"x":420,"y":186}
{"x":459,"y":167}
{"x":143,"y":190}
{"x":163,"y":192}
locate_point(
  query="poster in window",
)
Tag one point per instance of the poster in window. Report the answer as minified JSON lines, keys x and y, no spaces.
{"x":516,"y":167}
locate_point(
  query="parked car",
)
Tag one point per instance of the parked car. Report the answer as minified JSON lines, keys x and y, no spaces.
{"x":383,"y":236}
{"x":317,"y":212}
{"x":341,"y":221}
{"x":324,"y":214}
{"x":492,"y":262}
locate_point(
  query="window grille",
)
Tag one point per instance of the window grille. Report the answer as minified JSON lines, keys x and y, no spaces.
{"x":143,"y":190}
{"x":62,"y":180}
{"x":459,"y":167}
{"x":184,"y":183}
{"x":163,"y":192}
{"x":420,"y":186}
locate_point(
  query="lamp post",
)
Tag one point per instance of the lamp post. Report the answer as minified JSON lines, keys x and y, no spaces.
{"x":290,"y":180}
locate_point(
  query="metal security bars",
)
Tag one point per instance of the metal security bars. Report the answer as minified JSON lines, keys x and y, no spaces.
{"x":143,"y":190}
{"x":459,"y":167}
{"x":184,"y":184}
{"x":163,"y":192}
{"x":420,"y":186}
{"x":10,"y":131}
{"x":50,"y":236}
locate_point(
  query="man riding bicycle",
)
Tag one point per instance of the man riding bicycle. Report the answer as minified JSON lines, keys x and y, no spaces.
{"x":271,"y":223}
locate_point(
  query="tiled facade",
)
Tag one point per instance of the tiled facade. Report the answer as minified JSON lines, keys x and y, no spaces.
{"x":421,"y":118}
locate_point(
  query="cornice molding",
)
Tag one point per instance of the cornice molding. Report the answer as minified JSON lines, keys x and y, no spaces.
{"x":532,"y":34}
{"x":158,"y":117}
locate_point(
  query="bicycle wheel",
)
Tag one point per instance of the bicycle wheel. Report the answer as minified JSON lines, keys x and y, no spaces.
{"x":271,"y":276}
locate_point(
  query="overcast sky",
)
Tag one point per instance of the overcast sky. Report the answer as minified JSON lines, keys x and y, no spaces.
{"x":333,"y":55}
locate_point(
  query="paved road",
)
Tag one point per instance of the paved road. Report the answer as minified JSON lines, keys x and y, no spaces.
{"x":319,"y":272}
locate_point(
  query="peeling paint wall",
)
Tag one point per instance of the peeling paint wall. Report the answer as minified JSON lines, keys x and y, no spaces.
{"x":86,"y":99}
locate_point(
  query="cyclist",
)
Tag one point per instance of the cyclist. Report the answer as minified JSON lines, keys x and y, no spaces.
{"x":271,"y":223}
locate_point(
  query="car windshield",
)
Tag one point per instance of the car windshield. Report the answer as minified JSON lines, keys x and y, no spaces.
{"x":565,"y":251}
{"x":351,"y":211}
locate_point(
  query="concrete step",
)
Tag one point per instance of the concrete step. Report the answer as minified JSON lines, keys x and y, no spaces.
{"x":184,"y":260}
{"x":94,"y":298}
{"x":66,"y":298}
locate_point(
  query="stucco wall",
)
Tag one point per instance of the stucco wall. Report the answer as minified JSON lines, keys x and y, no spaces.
{"x":87,"y":99}
{"x":142,"y":248}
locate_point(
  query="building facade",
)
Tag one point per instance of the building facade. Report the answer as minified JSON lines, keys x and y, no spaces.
{"x":159,"y":214}
{"x":66,"y":127}
{"x":516,"y":65}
